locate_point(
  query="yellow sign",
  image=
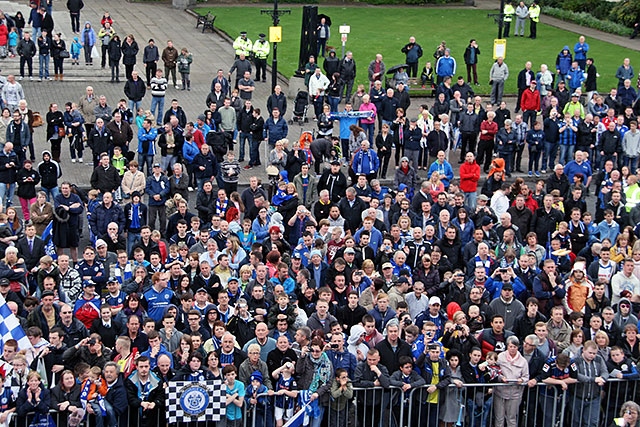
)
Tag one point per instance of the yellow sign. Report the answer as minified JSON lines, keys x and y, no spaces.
{"x":499,"y":48}
{"x":275,"y":34}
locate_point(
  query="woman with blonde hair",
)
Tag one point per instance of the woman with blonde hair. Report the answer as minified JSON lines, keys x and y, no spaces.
{"x":244,"y":276}
{"x":369,"y":269}
{"x":235,"y":252}
{"x":435,"y":185}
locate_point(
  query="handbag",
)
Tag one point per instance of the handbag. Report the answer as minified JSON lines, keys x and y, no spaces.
{"x":61,"y":132}
{"x":64,"y":54}
{"x":37,"y":119}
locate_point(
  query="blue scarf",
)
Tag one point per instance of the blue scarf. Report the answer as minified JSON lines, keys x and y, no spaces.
{"x":84,"y":395}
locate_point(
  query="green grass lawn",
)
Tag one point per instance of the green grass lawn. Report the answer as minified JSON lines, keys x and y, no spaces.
{"x":386,"y":29}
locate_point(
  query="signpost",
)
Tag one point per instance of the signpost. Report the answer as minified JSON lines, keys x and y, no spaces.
{"x":344,"y":32}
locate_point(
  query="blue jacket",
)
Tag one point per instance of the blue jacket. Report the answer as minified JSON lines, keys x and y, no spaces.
{"x":344,"y":360}
{"x":160,"y":187}
{"x":446,"y":67}
{"x":88,"y":35}
{"x":563,"y":62}
{"x":495,"y":287}
{"x":580,"y":51}
{"x":190,"y":151}
{"x":627,"y":96}
{"x":146,"y":141}
{"x":375,"y":240}
{"x":444,"y":169}
{"x":275,"y":131}
{"x":576,"y":78}
{"x":366,"y":163}
{"x":381,"y":321}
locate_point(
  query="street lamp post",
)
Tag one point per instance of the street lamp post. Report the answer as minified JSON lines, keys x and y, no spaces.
{"x":275,"y":14}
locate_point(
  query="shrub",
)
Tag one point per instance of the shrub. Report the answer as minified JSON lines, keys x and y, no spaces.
{"x":625,"y":12}
{"x":587,"y":20}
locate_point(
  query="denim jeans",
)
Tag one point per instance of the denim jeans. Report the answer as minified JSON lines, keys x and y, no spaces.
{"x":244,"y":136}
{"x":334,"y":101}
{"x":631,"y":162}
{"x":549,"y":155}
{"x":145,"y":158}
{"x":369,"y":130}
{"x":254,"y":152}
{"x":566,"y":153}
{"x":132,"y":239}
{"x":585,"y":413}
{"x":157,"y":102}
{"x":167,"y":162}
{"x":6,"y":194}
{"x":44,"y":67}
{"x":534,"y":161}
{"x":508,"y":162}
{"x":134,"y":105}
{"x":51,"y":193}
{"x":470,"y":199}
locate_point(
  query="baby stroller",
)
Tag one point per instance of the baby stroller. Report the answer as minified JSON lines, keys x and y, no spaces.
{"x":300,"y":107}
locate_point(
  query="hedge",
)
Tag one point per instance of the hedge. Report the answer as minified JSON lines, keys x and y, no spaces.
{"x":587,"y":20}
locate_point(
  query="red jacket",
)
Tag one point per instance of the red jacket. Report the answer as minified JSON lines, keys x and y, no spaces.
{"x":530,"y":100}
{"x":469,"y":176}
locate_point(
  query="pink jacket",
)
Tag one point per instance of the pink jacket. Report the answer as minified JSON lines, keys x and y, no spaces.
{"x":369,"y":107}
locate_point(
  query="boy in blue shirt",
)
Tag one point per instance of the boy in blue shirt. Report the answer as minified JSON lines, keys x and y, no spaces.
{"x":235,"y":396}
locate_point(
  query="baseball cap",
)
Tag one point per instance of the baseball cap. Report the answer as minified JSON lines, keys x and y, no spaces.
{"x":507,"y":287}
{"x":47,"y":293}
{"x":435,"y":300}
{"x":100,"y":243}
{"x":386,"y":265}
{"x":349,"y":251}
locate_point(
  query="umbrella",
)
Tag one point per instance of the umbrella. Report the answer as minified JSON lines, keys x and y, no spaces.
{"x":396,"y":68}
{"x":327,"y":20}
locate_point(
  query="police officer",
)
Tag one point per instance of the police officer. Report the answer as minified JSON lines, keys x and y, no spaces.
{"x":507,"y":13}
{"x":242,"y":45}
{"x":534,"y":15}
{"x":261,"y":49}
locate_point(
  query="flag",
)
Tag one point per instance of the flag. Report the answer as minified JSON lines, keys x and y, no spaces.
{"x":47,"y":237}
{"x":306,"y":411}
{"x":195,"y":401}
{"x":10,"y":328}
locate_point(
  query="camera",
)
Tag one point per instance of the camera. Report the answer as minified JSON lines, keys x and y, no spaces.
{"x":335,"y":346}
{"x":502,"y":270}
{"x":458,"y":327}
{"x":358,"y":273}
{"x":91,"y":341}
{"x":407,"y":321}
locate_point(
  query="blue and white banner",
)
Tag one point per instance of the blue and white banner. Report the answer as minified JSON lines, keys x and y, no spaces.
{"x":47,"y":237}
{"x":10,"y":328}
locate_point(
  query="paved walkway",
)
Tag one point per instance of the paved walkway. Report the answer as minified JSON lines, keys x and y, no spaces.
{"x":210,"y":52}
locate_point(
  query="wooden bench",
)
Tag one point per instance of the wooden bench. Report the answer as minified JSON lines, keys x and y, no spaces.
{"x":208,"y":23}
{"x":202,"y":19}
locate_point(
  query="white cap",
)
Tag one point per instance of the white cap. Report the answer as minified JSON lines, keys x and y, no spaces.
{"x":435,"y":300}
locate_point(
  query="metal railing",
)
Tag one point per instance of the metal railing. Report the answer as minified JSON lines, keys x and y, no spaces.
{"x":473,"y":405}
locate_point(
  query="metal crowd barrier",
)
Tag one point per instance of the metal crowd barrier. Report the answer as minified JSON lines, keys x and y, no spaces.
{"x":472,"y":405}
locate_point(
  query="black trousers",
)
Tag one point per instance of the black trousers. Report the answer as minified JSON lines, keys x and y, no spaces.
{"x":485,"y":153}
{"x":29,"y":62}
{"x":151,"y":71}
{"x":468,"y":143}
{"x":261,"y":69}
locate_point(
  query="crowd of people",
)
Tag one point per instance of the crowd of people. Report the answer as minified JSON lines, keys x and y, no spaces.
{"x":326,"y":288}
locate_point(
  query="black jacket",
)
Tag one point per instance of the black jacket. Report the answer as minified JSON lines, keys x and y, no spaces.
{"x":388,"y":357}
{"x":31,"y":257}
{"x":99,"y":140}
{"x":135,"y":89}
{"x":105,"y":179}
{"x":129,"y":52}
{"x":335,"y":184}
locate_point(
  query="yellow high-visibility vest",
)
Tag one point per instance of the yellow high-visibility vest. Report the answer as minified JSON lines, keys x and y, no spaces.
{"x":509,"y":11}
